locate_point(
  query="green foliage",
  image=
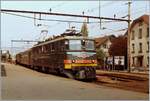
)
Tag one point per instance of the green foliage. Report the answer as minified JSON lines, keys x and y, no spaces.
{"x":100,"y":54}
{"x":84,"y":30}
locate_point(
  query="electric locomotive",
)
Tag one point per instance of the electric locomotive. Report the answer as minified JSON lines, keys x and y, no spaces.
{"x":70,"y":54}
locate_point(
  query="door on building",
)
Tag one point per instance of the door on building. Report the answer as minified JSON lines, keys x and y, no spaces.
{"x":140,"y":61}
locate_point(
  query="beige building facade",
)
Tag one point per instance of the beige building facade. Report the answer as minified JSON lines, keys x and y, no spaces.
{"x":139,"y":42}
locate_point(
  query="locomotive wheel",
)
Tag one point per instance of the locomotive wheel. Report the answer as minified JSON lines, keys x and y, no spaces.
{"x":80,"y":75}
{"x":35,"y":68}
{"x":43,"y":69}
{"x":40,"y":69}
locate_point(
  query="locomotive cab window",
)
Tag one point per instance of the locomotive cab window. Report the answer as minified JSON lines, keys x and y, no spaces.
{"x":89,"y":45}
{"x":75,"y":44}
{"x":81,"y":45}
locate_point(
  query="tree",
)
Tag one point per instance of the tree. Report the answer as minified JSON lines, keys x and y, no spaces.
{"x":100,"y":54}
{"x":100,"y":57}
{"x":84,"y":29}
{"x":118,"y":46}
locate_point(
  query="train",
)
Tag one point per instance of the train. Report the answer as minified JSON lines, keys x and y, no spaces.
{"x":69,"y":54}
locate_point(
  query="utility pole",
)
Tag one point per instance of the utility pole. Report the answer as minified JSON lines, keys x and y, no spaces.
{"x":128,"y":37}
{"x":100,"y":14}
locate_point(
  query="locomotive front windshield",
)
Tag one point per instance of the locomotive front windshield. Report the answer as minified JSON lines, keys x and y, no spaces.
{"x":81,"y":45}
{"x":76,"y":48}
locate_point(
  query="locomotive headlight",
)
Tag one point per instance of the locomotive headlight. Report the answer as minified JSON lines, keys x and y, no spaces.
{"x":73,"y":61}
{"x":93,"y":61}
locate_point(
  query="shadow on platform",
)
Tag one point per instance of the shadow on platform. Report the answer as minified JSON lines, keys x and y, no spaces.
{"x":3,"y":71}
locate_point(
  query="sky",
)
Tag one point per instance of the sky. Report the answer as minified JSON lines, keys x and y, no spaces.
{"x":17,"y":28}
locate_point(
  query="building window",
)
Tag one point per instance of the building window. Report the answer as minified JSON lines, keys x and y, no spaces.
{"x":148,"y":61}
{"x":148,"y":46}
{"x":140,"y":47}
{"x":140,"y":23}
{"x":140,"y":33}
{"x":132,"y":35}
{"x":148,"y":32}
{"x":133,"y":61}
{"x":133,"y":47}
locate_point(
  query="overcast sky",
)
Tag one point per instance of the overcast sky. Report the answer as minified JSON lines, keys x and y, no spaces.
{"x":15,"y":27}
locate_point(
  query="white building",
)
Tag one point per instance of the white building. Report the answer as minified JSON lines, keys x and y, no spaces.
{"x":139,"y":42}
{"x":104,"y":43}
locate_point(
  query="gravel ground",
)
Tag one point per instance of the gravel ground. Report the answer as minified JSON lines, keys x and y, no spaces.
{"x":24,"y":84}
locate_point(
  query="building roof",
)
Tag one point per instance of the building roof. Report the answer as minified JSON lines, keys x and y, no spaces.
{"x":143,"y":18}
{"x":99,"y":41}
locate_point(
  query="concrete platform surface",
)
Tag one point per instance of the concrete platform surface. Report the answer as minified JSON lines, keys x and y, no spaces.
{"x":21,"y":83}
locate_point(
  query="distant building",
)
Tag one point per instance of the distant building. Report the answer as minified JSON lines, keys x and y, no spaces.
{"x":104,"y":43}
{"x":5,"y":56}
{"x":139,"y":42}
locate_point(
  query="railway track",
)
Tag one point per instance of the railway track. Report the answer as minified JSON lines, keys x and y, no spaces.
{"x":123,"y":83}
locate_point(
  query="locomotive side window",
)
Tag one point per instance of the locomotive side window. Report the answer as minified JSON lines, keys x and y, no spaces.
{"x":66,"y":44}
{"x":47,"y":48}
{"x":42,"y":49}
{"x":52,"y":47}
{"x":57,"y":46}
{"x":38,"y":50}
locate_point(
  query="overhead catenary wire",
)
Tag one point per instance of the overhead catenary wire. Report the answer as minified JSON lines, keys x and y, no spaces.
{"x":104,"y":5}
{"x":58,"y":5}
{"x":62,"y":14}
{"x":120,"y":30}
{"x":55,"y":19}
